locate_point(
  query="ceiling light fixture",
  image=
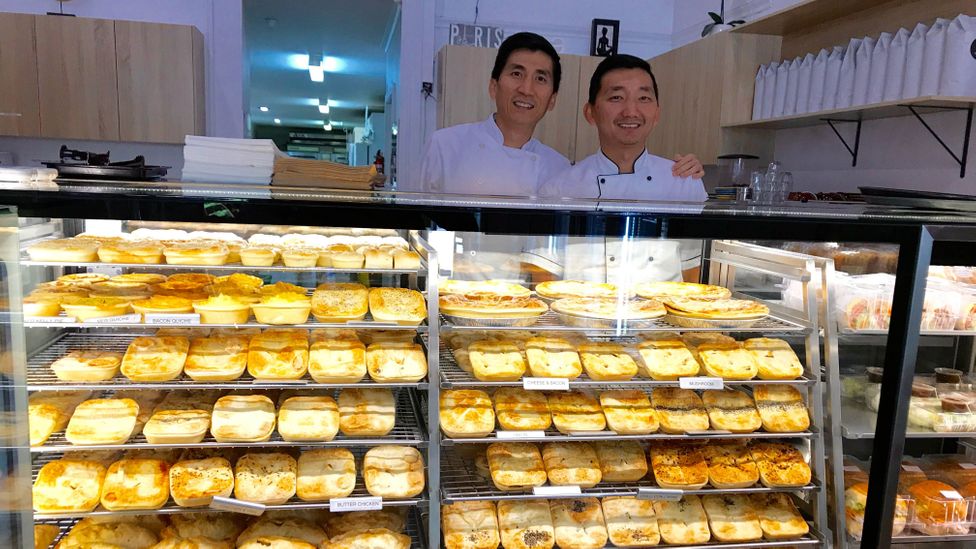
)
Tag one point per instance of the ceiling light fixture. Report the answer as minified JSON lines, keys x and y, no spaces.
{"x":324,"y":109}
{"x":262,"y":108}
{"x":277,"y":121}
{"x":327,"y":127}
{"x":315,"y":70}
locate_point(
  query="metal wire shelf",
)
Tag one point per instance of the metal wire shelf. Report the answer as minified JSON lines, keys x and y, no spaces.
{"x":413,"y":527}
{"x":229,"y":267}
{"x":367,"y":323}
{"x":170,"y":507}
{"x":550,"y":322}
{"x":40,"y":377}
{"x":407,"y":431}
{"x":552,"y":435}
{"x":460,"y":481}
{"x":453,"y":376}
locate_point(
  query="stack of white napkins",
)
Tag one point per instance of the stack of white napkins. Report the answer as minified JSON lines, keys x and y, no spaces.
{"x":226,"y":160}
{"x":27,"y":176}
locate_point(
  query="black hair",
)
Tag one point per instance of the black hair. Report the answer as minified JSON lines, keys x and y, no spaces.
{"x":532,"y":42}
{"x":619,"y":61}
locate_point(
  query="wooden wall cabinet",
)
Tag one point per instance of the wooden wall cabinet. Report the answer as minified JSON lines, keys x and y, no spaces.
{"x":78,"y":78}
{"x":19,"y":110}
{"x":77,"y":82}
{"x":160,"y":75}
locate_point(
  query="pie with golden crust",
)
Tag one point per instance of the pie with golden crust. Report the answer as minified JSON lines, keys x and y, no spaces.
{"x":653,"y":290}
{"x":716,"y":309}
{"x":679,"y":465}
{"x":610,"y":309}
{"x":491,"y":306}
{"x":780,"y":465}
{"x":480,"y":288}
{"x":559,"y":289}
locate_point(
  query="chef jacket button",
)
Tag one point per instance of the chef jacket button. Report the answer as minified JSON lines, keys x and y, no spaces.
{"x":649,"y":178}
{"x":612,"y":258}
{"x":650,"y":259}
{"x":602,"y":180}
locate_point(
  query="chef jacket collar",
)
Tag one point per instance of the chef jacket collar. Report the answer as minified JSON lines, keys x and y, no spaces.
{"x":605,"y":166}
{"x":491,"y":128}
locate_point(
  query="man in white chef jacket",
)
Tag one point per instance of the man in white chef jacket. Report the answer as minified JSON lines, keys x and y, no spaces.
{"x":623,"y":106}
{"x":498,"y":156}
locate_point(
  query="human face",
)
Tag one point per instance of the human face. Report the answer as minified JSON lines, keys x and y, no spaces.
{"x":523,"y":93}
{"x":626,"y":110}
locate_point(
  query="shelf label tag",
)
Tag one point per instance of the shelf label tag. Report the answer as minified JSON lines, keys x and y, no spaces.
{"x":968,"y":466}
{"x":545,"y":384}
{"x":707,"y":432}
{"x":701,"y":383}
{"x":950,"y":494}
{"x":237,"y":506}
{"x":185,"y":319}
{"x":912,"y":468}
{"x":592,"y":433}
{"x":280,"y":381}
{"x":370,"y":503}
{"x":134,"y":318}
{"x":49,"y":320}
{"x":519,"y":434}
{"x":556,"y":491}
{"x":661,"y":494}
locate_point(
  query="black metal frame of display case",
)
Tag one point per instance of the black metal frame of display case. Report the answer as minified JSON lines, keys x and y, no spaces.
{"x":922,"y":239}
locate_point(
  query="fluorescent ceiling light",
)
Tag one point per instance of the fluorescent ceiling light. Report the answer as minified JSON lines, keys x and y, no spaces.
{"x":316,"y":73}
{"x":333,"y":64}
{"x":262,"y":108}
{"x":277,"y":121}
{"x":324,"y":109}
{"x":327,"y":127}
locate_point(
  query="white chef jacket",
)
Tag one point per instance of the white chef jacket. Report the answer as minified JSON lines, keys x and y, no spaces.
{"x":596,"y":176}
{"x":472,"y":159}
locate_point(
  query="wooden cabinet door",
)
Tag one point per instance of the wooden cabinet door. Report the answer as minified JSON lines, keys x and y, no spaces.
{"x":558,"y":128}
{"x":19,"y":112}
{"x":77,"y":82}
{"x":158,"y":81}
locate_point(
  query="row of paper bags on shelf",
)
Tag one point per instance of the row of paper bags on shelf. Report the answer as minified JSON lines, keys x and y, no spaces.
{"x":928,"y":61}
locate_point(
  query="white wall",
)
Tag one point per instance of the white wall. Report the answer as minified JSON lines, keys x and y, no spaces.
{"x":220,"y":22}
{"x":645,"y":25}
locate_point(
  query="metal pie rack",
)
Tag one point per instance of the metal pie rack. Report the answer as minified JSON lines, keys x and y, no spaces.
{"x":452,"y":376}
{"x":367,"y":323}
{"x":229,"y":267}
{"x":550,"y":322}
{"x":460,"y":481}
{"x":40,"y":377}
{"x":413,"y":527}
{"x":172,"y":508}
{"x":552,"y":435}
{"x":407,"y":431}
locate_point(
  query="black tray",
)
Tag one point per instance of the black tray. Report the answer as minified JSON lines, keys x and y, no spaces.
{"x":132,"y":173}
{"x":928,"y":200}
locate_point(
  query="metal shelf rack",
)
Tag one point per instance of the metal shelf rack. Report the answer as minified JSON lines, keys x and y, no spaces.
{"x":550,"y":322}
{"x":63,"y":321}
{"x":226,"y":268}
{"x":40,"y":377}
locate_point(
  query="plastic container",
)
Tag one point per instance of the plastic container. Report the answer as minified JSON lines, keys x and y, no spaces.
{"x":864,"y":303}
{"x":940,"y":310}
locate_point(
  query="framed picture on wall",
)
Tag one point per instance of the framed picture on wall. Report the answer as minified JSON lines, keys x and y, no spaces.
{"x":604,"y":37}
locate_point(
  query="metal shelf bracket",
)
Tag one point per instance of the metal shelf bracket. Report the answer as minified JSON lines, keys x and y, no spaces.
{"x":962,"y":160}
{"x":857,"y":136}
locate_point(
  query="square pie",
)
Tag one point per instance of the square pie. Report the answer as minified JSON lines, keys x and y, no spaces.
{"x":155,"y":358}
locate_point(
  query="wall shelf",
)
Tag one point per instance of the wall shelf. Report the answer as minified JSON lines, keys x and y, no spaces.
{"x":875,"y":111}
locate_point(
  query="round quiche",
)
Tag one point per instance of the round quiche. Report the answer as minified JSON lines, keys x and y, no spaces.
{"x":609,"y":309}
{"x":652,"y":290}
{"x":716,"y":309}
{"x":482,"y":288}
{"x":559,"y":289}
{"x":491,"y":307}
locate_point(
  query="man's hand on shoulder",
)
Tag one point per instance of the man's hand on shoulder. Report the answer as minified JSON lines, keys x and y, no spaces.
{"x":687,"y":165}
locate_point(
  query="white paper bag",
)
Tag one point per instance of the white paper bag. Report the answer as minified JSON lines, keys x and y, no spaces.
{"x":792,"y":88}
{"x":757,"y":93}
{"x":911,"y":86}
{"x":782,"y":81}
{"x":845,"y":85}
{"x":934,"y":57}
{"x":959,"y":71}
{"x":895,"y":70}
{"x":769,"y":89}
{"x":818,"y":75}
{"x":879,"y":64}
{"x":862,"y":71}
{"x":803,"y":84}
{"x":831,"y":91}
